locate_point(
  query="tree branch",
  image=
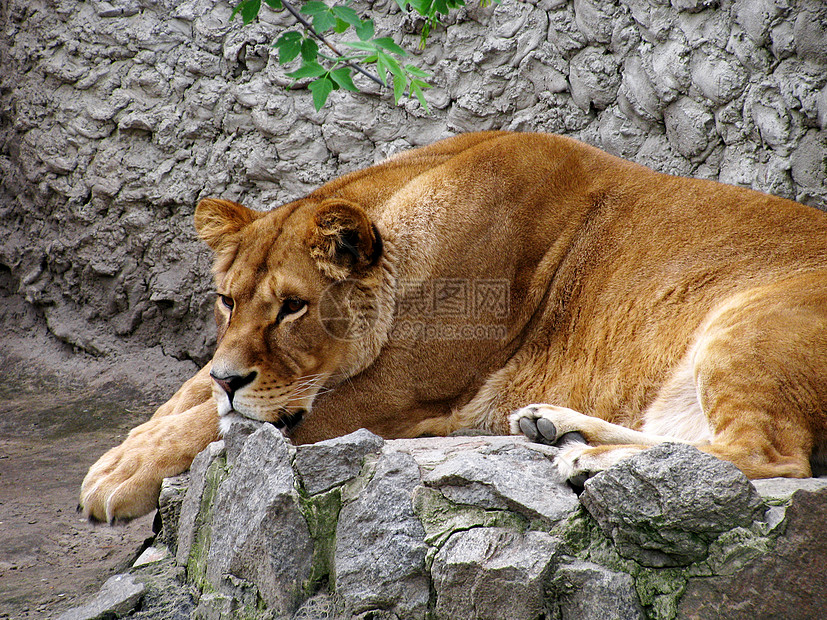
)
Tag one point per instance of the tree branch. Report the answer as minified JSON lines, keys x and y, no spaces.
{"x":309,"y":27}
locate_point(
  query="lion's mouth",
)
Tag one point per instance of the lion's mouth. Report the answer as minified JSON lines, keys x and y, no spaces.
{"x":286,"y":421}
{"x":289,"y":420}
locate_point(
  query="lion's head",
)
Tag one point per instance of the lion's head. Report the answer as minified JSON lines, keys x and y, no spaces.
{"x":301,"y":305}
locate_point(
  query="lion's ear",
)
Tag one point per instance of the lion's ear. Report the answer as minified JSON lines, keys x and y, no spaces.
{"x":218,"y":220}
{"x":342,"y":239}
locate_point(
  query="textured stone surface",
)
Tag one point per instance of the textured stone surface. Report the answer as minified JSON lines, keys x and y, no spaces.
{"x":663,"y":506}
{"x":402,"y":539}
{"x":492,"y":573}
{"x":380,"y":548}
{"x":118,"y":116}
{"x":193,"y":509}
{"x":118,"y":596}
{"x":258,"y":533}
{"x":173,"y":492}
{"x":787,"y":582}
{"x":586,"y":591}
{"x":331,"y":463}
{"x":782,"y":489}
{"x":518,"y":479}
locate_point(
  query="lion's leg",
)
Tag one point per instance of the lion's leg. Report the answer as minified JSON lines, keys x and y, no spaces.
{"x":760,"y":367}
{"x":751,"y":390}
{"x":124,"y":483}
{"x":597,"y":444}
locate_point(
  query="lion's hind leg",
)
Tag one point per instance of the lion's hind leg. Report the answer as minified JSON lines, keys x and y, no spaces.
{"x":761,"y":373}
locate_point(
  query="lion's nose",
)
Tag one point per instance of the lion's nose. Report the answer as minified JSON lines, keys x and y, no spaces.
{"x":232,"y":383}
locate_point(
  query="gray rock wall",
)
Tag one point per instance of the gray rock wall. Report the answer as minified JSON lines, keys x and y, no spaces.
{"x":117,"y":116}
{"x":482,"y":528}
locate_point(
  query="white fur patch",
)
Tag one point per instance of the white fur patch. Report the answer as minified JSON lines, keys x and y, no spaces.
{"x":579,"y":460}
{"x":677,"y":411}
{"x":225,"y":420}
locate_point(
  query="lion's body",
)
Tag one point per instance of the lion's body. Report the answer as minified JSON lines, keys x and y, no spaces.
{"x":524,"y":268}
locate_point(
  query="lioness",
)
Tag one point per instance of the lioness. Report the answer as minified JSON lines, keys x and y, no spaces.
{"x":452,"y":286}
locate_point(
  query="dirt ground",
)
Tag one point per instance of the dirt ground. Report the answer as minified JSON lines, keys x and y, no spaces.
{"x":51,"y":558}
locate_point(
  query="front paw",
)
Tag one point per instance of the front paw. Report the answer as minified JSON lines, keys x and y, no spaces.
{"x":125,"y":482}
{"x":544,"y":424}
{"x":550,"y":426}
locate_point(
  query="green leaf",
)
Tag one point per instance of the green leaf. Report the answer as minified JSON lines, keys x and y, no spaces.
{"x":342,"y":77}
{"x":399,"y":83}
{"x":403,"y":4}
{"x":391,"y":64}
{"x":310,"y":50}
{"x":307,"y":70}
{"x":416,"y":71}
{"x":314,"y":8}
{"x":390,"y":45}
{"x":289,"y":45}
{"x":382,"y":67}
{"x":276,"y":4}
{"x":291,"y":36}
{"x":440,"y":6}
{"x":365,"y":31}
{"x":348,"y":15}
{"x":340,"y":26}
{"x":416,"y":89}
{"x":321,"y":89}
{"x":249,"y":10}
{"x":421,"y":6}
{"x":322,"y":22}
{"x":365,"y":46}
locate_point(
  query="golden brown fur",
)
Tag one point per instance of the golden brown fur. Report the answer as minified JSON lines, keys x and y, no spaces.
{"x":661,"y":307}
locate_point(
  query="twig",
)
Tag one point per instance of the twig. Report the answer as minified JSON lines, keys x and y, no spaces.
{"x":309,"y":27}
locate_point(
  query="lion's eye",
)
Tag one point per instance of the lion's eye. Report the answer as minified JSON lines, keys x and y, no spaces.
{"x":293,"y":305}
{"x":227,"y":301}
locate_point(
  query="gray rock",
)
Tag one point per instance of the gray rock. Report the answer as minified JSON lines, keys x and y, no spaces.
{"x":118,"y":596}
{"x":637,"y":97}
{"x":513,"y":478}
{"x":380,"y":551}
{"x":777,"y":490}
{"x":808,"y":164}
{"x":755,"y":17}
{"x":586,"y":591}
{"x":595,"y":20}
{"x":173,"y":492}
{"x":690,"y":128}
{"x":787,"y":582}
{"x":492,"y":573}
{"x":810,"y":32}
{"x":331,"y":463}
{"x":236,"y":436}
{"x":663,"y":506}
{"x":594,"y":78}
{"x":190,"y":517}
{"x":718,"y":76}
{"x":258,"y":533}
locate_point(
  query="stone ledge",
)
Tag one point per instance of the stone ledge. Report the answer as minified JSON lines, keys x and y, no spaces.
{"x":478,"y":527}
